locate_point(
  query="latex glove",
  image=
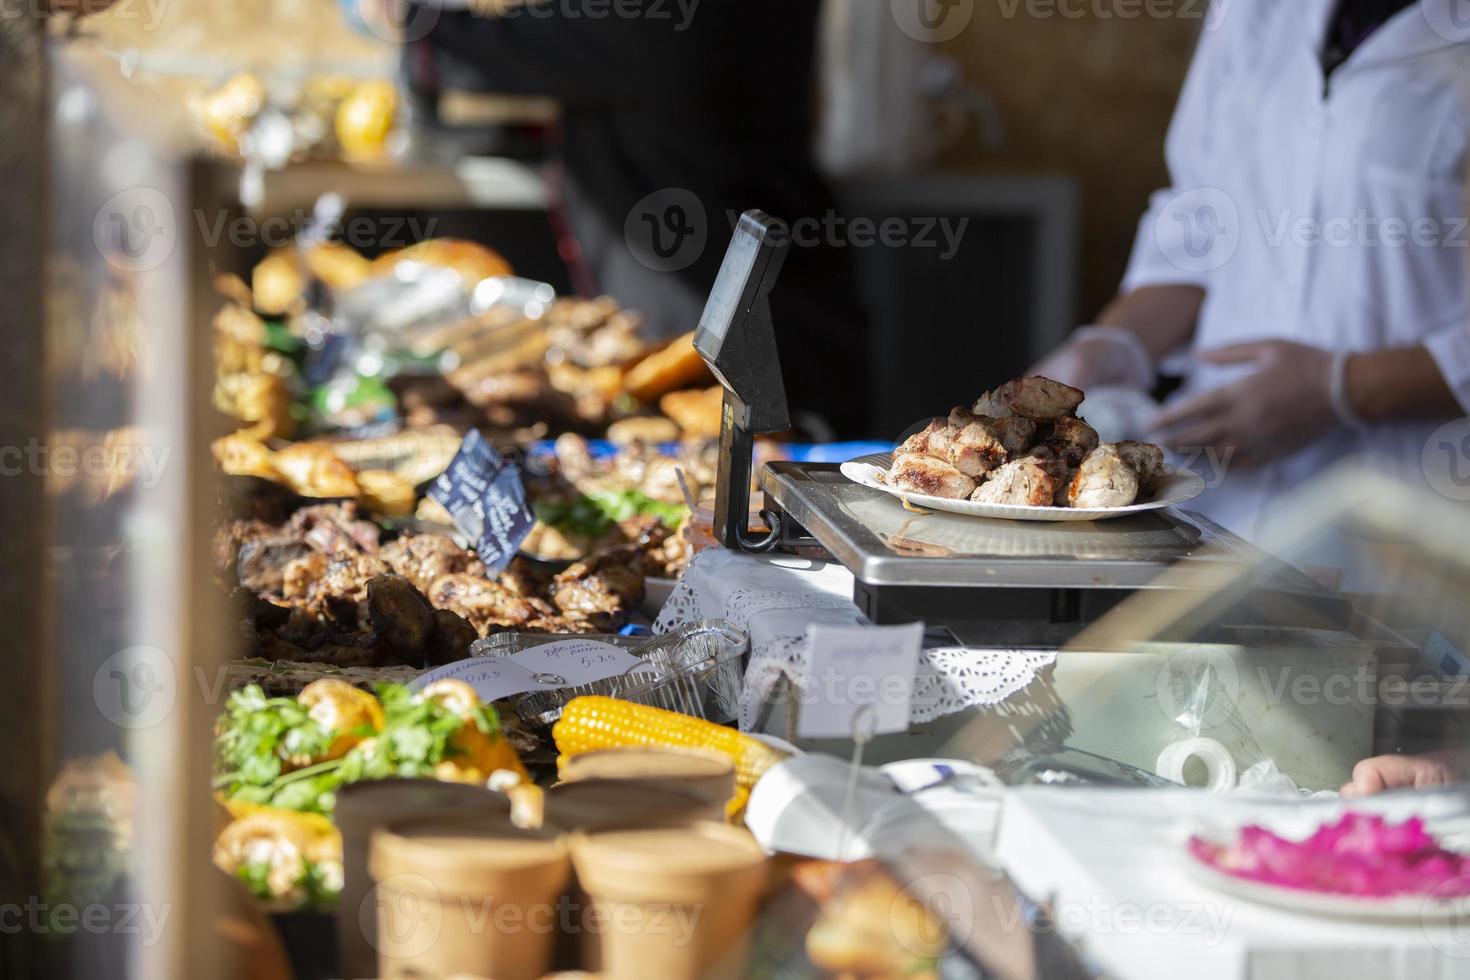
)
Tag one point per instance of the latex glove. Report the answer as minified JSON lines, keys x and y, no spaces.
{"x":1285,"y":404}
{"x":1096,"y":357}
{"x":1386,"y":772}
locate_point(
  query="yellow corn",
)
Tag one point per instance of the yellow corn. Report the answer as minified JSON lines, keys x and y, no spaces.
{"x":591,"y":722}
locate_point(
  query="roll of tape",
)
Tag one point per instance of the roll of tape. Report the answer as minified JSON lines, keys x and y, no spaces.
{"x":1219,"y":763}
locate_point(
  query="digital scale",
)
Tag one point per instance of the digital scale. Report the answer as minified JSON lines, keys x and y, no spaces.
{"x":1013,"y":583}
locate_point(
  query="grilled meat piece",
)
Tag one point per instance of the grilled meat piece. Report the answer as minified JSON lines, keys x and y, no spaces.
{"x":525,"y":577}
{"x":607,"y":585}
{"x":1070,"y":439}
{"x":1145,"y":459}
{"x":489,"y":606}
{"x":400,"y":616}
{"x":333,"y":529}
{"x":660,"y":549}
{"x":263,"y":563}
{"x":924,"y":474}
{"x":1103,"y":480}
{"x":960,"y":416}
{"x":451,"y":640}
{"x":1032,"y":398}
{"x":426,"y":558}
{"x":230,"y":537}
{"x":1026,"y":482}
{"x":935,"y":440}
{"x":1015,"y":433}
{"x":977,"y":449}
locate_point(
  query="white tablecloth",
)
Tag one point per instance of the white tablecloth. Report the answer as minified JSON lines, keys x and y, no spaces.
{"x":775,"y":599}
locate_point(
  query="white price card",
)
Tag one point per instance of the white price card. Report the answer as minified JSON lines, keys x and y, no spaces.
{"x":549,"y":667}
{"x":859,"y":680}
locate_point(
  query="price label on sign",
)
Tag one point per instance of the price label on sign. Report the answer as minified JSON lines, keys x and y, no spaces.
{"x":859,"y":680}
{"x":485,"y":496}
{"x":552,"y":666}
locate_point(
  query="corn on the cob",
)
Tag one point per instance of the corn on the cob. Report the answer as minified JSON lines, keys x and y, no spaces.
{"x":592,"y":722}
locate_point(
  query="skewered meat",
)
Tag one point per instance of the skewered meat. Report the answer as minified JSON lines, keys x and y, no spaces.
{"x":1031,"y":398}
{"x":927,"y":475}
{"x":1103,"y":480}
{"x":977,"y":449}
{"x":426,"y":558}
{"x":1071,"y":439}
{"x":1147,"y":460}
{"x":1026,"y":482}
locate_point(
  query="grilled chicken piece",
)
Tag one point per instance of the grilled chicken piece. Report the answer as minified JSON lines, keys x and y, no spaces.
{"x":426,"y":558}
{"x":934,"y":440}
{"x":1026,"y":482}
{"x":333,"y":529}
{"x":1015,"y":433}
{"x":1070,"y":439}
{"x":1103,"y":480}
{"x":604,"y":587}
{"x":960,"y":416}
{"x":262,"y":563}
{"x":487,"y":605}
{"x":1031,"y":398}
{"x":1145,"y":459}
{"x":925,"y":474}
{"x":976,"y":449}
{"x":1058,"y":467}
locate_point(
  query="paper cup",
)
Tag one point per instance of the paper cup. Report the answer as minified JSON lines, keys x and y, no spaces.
{"x":467,"y":895}
{"x":673,"y":903}
{"x":365,"y":807}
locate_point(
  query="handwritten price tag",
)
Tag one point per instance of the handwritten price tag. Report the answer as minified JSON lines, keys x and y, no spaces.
{"x":859,"y":680}
{"x":552,"y":666}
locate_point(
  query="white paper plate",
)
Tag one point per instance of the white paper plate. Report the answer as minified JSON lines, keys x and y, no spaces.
{"x":1179,"y":485}
{"x":1411,"y":908}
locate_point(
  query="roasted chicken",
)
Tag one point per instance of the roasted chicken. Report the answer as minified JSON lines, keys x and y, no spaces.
{"x":1022,"y":444}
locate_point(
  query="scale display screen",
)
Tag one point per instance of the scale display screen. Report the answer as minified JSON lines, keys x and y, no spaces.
{"x":730,"y":288}
{"x":736,"y":337}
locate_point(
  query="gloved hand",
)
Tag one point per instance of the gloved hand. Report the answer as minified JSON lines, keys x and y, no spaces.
{"x":1096,"y":357}
{"x":1285,"y":404}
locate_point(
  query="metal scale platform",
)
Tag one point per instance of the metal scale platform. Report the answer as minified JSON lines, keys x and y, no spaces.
{"x":1017,"y":581}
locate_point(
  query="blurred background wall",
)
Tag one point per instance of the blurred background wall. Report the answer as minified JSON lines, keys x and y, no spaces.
{"x":1088,"y":96}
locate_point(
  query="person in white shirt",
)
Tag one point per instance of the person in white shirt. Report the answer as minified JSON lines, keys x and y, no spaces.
{"x":1312,"y":262}
{"x":1312,"y":255}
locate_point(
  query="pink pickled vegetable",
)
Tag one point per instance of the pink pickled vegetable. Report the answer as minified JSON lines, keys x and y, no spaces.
{"x":1358,"y":855}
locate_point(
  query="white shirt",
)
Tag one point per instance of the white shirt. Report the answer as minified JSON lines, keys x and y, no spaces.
{"x":1327,"y":213}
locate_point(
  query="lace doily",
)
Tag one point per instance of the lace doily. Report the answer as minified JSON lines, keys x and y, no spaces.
{"x":775,"y":600}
